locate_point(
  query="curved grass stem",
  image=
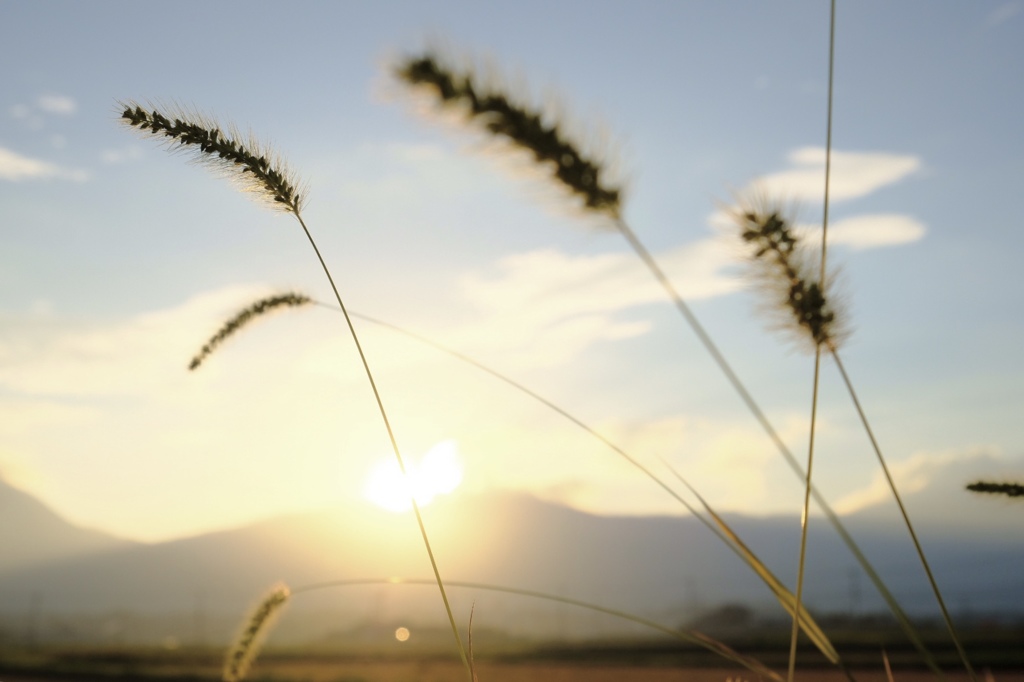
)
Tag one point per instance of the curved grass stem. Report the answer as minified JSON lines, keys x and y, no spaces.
{"x":803,"y":522}
{"x":804,"y":514}
{"x":906,"y":518}
{"x":394,"y":445}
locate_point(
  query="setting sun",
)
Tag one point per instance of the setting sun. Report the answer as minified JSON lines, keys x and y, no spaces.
{"x":438,"y":472}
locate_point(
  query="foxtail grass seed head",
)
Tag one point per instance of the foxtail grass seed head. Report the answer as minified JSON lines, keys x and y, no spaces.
{"x":246,"y":645}
{"x":1008,"y":489}
{"x":785,"y":268}
{"x":521,"y":126}
{"x":254,"y":166}
{"x":244,"y":317}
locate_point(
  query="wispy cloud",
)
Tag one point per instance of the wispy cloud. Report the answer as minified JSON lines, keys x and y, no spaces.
{"x":28,"y":116}
{"x":558,"y":304}
{"x":123,"y":155}
{"x":854,"y":174}
{"x":57,"y":104}
{"x":932,"y":485}
{"x":20,"y":111}
{"x":16,"y":167}
{"x":870,"y":231}
{"x":32,"y":115}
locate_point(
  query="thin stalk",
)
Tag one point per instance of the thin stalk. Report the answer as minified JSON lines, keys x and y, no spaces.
{"x":906,"y":517}
{"x":804,"y":515}
{"x":394,"y":446}
{"x":803,"y":521}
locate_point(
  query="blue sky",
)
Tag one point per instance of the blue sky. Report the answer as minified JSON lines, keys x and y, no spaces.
{"x":119,"y":259}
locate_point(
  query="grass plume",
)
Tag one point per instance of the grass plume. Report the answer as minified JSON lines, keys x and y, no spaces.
{"x":521,"y":125}
{"x":1008,"y":489}
{"x":245,"y":647}
{"x":244,"y":317}
{"x":781,"y":264}
{"x":254,"y":166}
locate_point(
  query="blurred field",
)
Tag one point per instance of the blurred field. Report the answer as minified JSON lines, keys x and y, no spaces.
{"x":328,"y":668}
{"x":998,"y":655}
{"x":534,"y":672}
{"x":446,"y":671}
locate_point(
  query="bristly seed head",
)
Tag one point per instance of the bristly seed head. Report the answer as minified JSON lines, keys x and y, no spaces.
{"x":243,"y":317}
{"x":1008,"y":489}
{"x":246,"y":645}
{"x":780,"y":261}
{"x":522,"y":126}
{"x":257,"y":169}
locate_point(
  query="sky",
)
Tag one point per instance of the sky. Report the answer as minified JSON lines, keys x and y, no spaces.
{"x":118,"y":259}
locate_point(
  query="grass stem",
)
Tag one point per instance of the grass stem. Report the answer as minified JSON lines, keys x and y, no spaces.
{"x":804,"y":514}
{"x":906,"y":519}
{"x":804,"y":522}
{"x":394,"y":445}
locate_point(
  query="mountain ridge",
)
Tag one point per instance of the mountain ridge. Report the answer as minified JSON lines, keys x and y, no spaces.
{"x":665,"y":566}
{"x":31,"y":533}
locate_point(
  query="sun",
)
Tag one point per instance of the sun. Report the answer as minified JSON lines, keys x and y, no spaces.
{"x":438,"y":472}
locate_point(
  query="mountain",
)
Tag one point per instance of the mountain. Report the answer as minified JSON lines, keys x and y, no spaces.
{"x":668,"y":568}
{"x":31,"y":533}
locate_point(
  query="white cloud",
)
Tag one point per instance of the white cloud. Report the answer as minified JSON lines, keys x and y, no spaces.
{"x":910,"y":475}
{"x":20,"y":111}
{"x":16,"y":167}
{"x":605,"y":282}
{"x":870,"y":231}
{"x":854,"y":174}
{"x":114,"y":156}
{"x":57,"y":104}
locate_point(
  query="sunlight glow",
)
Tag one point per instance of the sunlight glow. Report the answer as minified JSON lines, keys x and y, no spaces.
{"x":437,"y":473}
{"x":402,"y":634}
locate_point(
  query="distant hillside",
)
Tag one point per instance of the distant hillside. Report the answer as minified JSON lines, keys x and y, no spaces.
{"x":31,"y":533}
{"x":668,"y":568}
